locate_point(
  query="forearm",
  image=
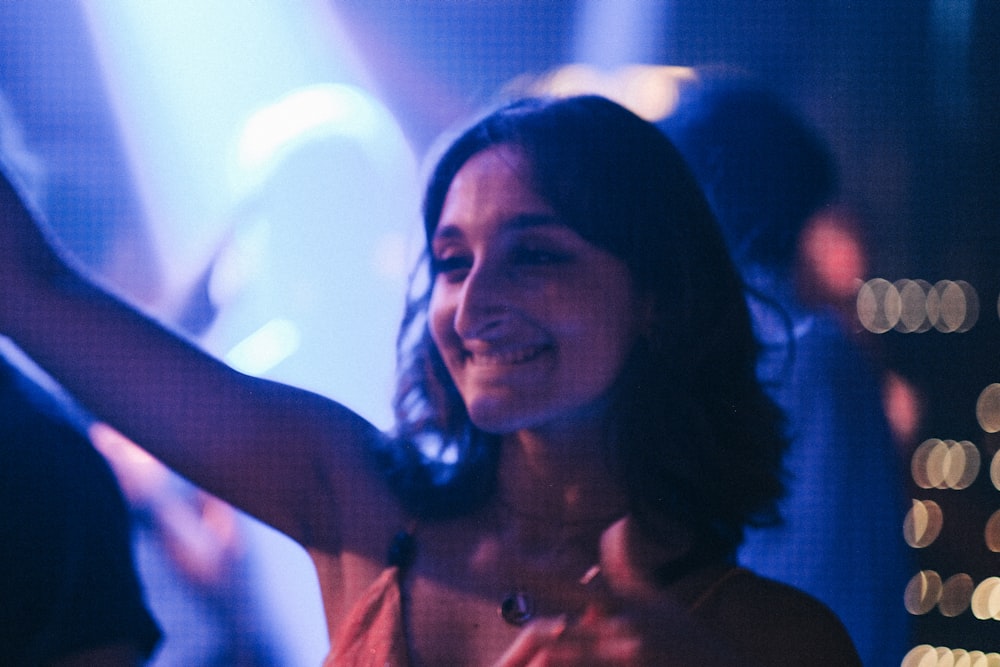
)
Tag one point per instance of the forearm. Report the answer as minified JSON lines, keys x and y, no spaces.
{"x":132,"y":372}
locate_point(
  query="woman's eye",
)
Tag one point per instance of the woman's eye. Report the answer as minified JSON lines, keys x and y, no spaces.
{"x":453,"y":268}
{"x":535,"y":256}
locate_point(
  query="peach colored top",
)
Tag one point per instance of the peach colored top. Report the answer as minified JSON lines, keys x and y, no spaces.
{"x":373,"y":633}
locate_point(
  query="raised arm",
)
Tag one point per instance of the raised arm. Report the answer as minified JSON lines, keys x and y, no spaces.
{"x":275,"y":451}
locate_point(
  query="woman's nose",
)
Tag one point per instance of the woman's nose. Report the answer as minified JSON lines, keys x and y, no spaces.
{"x":483,"y":303}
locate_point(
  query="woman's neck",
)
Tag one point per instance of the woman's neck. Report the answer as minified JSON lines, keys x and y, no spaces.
{"x":558,"y":479}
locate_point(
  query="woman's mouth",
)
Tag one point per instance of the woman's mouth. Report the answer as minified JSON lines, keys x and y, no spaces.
{"x":503,"y":357}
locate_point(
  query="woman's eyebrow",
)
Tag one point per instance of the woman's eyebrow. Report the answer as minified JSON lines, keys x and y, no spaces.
{"x":448,"y":231}
{"x":530,"y":220}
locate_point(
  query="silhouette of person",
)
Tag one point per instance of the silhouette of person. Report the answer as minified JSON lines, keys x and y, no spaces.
{"x":69,"y":590}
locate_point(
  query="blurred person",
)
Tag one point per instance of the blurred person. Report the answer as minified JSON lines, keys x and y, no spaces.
{"x":831,"y":266}
{"x":69,"y":595}
{"x":581,"y":438}
{"x":194,"y":560}
{"x":766,"y":173}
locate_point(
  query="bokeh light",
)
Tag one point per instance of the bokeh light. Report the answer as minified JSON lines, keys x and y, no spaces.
{"x":922,"y":592}
{"x":879,"y":305}
{"x":991,"y":533}
{"x":988,"y":408}
{"x":986,"y":600}
{"x":995,"y":471}
{"x":945,"y":464}
{"x":913,"y":316}
{"x":926,"y":655}
{"x":956,"y":595}
{"x":923,"y":523}
{"x":916,"y":306}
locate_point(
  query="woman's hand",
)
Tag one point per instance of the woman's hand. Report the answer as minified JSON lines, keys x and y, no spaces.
{"x":631,"y":621}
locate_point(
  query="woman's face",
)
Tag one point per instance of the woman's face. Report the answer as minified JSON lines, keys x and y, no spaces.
{"x":533,"y":322}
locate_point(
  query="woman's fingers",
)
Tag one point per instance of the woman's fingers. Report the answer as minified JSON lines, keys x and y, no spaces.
{"x":595,"y":639}
{"x":530,"y":646}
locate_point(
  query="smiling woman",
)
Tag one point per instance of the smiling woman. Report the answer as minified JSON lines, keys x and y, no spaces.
{"x":533,"y":322}
{"x":580,"y":436}
{"x":616,"y":199}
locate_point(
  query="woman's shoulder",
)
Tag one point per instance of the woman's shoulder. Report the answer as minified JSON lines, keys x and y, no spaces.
{"x":776,"y":623}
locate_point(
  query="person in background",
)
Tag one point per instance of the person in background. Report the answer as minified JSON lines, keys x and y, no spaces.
{"x":193,"y":558}
{"x":766,"y":173}
{"x":832,"y":264}
{"x":581,"y":438}
{"x":69,"y":593}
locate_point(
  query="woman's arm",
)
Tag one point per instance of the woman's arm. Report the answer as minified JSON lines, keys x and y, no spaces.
{"x":265,"y":447}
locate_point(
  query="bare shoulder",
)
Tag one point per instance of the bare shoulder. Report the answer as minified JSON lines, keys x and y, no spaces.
{"x":776,"y":623}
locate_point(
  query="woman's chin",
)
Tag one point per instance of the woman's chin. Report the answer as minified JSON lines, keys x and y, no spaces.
{"x":502,"y":415}
{"x":497,"y":417}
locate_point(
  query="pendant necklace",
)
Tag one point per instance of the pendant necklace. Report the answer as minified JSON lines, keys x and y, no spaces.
{"x":518,"y":607}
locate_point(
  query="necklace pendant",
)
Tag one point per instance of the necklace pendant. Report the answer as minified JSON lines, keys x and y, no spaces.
{"x":517,"y":608}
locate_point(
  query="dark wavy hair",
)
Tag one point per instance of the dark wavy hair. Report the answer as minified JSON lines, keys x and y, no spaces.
{"x":693,"y":436}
